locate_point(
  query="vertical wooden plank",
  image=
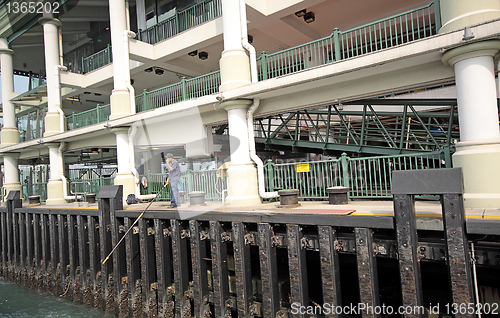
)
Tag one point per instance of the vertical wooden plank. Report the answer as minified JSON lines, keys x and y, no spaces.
{"x":22,"y":248}
{"x":133,"y":268}
{"x":63,"y":249}
{"x":94,"y":264}
{"x":219,"y":270}
{"x":119,"y":266}
{"x":44,"y":262}
{"x":72,"y":256}
{"x":330,"y":270}
{"x":105,"y":249}
{"x":180,"y":262}
{"x":148,"y":267}
{"x":54,"y":253}
{"x":367,"y":270}
{"x":243,"y":269}
{"x":5,"y":247}
{"x":297,"y":267}
{"x":83,"y":253}
{"x":10,"y":238}
{"x":37,"y":248}
{"x":409,"y":262}
{"x":163,"y":267}
{"x":459,"y":266}
{"x":30,"y":261}
{"x":198,"y":256}
{"x":268,"y":271}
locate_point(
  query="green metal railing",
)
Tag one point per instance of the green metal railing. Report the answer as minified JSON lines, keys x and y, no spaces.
{"x":88,"y":117}
{"x":97,"y":60}
{"x":181,"y":21}
{"x":202,"y":180}
{"x":395,"y":30}
{"x":186,"y":89}
{"x":95,"y":184}
{"x":365,"y":177}
{"x":34,"y":181}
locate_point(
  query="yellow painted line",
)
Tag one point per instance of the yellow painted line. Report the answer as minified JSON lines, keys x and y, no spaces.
{"x":490,"y":217}
{"x":59,"y":207}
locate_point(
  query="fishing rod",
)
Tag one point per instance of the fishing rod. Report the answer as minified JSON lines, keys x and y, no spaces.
{"x":136,"y":220}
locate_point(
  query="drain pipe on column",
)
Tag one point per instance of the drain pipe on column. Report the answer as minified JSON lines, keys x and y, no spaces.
{"x":57,"y":89}
{"x":256,"y":102}
{"x":244,"y":42}
{"x":66,"y":196}
{"x":131,"y":134}
{"x":126,"y":36}
{"x":253,"y":155}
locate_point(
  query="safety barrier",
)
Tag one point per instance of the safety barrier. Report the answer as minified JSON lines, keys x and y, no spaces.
{"x":395,"y":30}
{"x":368,"y":177}
{"x":97,"y":60}
{"x":88,"y":117}
{"x":241,"y":264}
{"x":186,"y":89}
{"x":208,"y":181}
{"x":181,"y":21}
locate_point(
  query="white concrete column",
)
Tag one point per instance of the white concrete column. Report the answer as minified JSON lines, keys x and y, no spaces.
{"x":10,"y":162}
{"x":234,"y":62}
{"x":235,"y":72}
{"x":124,"y":175}
{"x":120,"y":97}
{"x":9,"y":134}
{"x":457,"y":14}
{"x":478,"y":152}
{"x":238,"y":132}
{"x":55,"y":186}
{"x":52,"y":58}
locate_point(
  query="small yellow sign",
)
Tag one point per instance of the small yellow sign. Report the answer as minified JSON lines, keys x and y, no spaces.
{"x":303,"y":167}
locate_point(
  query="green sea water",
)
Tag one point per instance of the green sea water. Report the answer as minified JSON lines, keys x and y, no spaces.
{"x":17,"y":301}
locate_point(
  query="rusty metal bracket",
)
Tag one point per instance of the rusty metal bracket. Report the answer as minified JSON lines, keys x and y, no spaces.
{"x":277,"y":240}
{"x":225,"y":236}
{"x":249,"y":239}
{"x":204,"y":235}
{"x":151,"y":231}
{"x":256,"y":309}
{"x":121,"y":229}
{"x":135,"y":230}
{"x":166,"y":233}
{"x":185,"y":234}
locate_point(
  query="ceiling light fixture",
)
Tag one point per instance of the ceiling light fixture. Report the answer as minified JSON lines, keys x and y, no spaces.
{"x":309,"y":17}
{"x":203,"y":55}
{"x":148,"y":70}
{"x":193,"y":53}
{"x":158,"y":71}
{"x":301,"y":13}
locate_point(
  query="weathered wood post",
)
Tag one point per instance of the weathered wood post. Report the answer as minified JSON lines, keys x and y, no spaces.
{"x":448,"y":184}
{"x":13,"y":202}
{"x":110,"y":200}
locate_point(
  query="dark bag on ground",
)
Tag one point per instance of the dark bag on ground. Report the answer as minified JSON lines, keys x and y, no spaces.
{"x":131,"y":199}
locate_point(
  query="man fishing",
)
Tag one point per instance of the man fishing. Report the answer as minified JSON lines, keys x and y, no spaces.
{"x":174,"y":177}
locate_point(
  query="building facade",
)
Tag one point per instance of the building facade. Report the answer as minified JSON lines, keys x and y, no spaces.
{"x":119,"y":82}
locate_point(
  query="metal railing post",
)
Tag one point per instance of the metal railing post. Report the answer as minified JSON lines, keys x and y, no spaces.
{"x":184,"y":88}
{"x":437,"y":15}
{"x":270,"y":174}
{"x":263,"y":58}
{"x":344,"y":161}
{"x":109,"y":53}
{"x":145,"y":105}
{"x":336,"y":43}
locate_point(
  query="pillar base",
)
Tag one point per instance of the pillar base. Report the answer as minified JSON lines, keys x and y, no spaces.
{"x":120,"y":104}
{"x":55,"y":194}
{"x":127,"y":180}
{"x":9,"y":136}
{"x":479,"y":162}
{"x":242,"y":185}
{"x":52,"y":124}
{"x":13,"y":187}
